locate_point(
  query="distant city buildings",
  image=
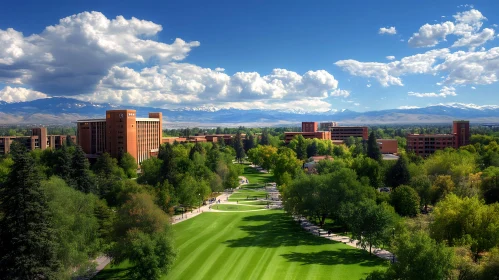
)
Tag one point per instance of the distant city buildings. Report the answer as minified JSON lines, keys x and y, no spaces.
{"x":329,"y":130}
{"x":426,"y":144}
{"x":326,"y":126}
{"x":39,"y":139}
{"x":121,"y":132}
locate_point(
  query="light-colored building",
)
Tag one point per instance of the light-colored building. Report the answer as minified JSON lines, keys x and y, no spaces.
{"x":327,"y":125}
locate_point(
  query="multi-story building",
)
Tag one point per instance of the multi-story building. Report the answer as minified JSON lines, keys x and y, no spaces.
{"x":387,"y":146}
{"x":344,"y":132}
{"x":322,"y":135}
{"x":121,"y":132}
{"x":326,"y":126}
{"x":427,"y":144}
{"x":37,"y":140}
{"x":309,"y":127}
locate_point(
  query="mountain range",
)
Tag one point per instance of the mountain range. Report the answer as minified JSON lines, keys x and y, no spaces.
{"x":64,"y":111}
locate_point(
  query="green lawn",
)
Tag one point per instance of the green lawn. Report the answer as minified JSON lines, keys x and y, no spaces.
{"x":236,"y":207}
{"x":242,"y":194}
{"x":253,"y":202}
{"x":258,"y":245}
{"x":256,"y":177}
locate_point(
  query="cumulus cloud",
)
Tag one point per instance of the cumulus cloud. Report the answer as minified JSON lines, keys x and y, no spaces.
{"x":390,"y":57}
{"x":19,"y":94}
{"x":389,"y":73}
{"x":72,"y":56}
{"x":388,"y":30}
{"x":444,"y":92}
{"x":88,"y":56}
{"x":183,"y":83}
{"x":466,"y":25}
{"x":368,"y":85}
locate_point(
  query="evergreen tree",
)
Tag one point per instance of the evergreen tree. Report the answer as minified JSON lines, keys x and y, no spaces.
{"x":264,"y":140}
{"x":27,"y":248}
{"x":312,"y":149}
{"x":197,"y":148}
{"x":168,"y":166}
{"x":373,"y":148}
{"x":399,"y":173}
{"x":238,"y":147}
{"x":63,"y":164}
{"x":81,"y":176}
{"x":69,"y":141}
{"x":301,"y":148}
{"x":249,"y":142}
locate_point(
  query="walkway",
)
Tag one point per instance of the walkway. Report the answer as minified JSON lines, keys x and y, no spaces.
{"x":316,"y":230}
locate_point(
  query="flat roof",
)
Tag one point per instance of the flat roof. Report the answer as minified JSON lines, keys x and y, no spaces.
{"x":91,"y":120}
{"x":430,"y":135}
{"x":147,"y":119}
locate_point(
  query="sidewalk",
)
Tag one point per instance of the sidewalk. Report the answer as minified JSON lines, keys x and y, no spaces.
{"x":316,"y":230}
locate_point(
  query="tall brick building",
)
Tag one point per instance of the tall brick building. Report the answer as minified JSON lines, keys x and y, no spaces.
{"x":427,"y":144}
{"x":121,"y":132}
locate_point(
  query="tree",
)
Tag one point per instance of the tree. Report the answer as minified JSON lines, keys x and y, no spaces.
{"x":367,"y":167}
{"x":128,"y":163}
{"x":69,"y":141}
{"x":373,"y":148}
{"x":75,"y":225}
{"x":263,"y":156}
{"x":238,"y":146}
{"x":466,"y":221}
{"x":301,"y":147}
{"x":442,"y":186}
{"x":399,"y":173}
{"x":151,"y":171}
{"x":286,"y":161}
{"x":264,"y":140}
{"x":423,"y":186}
{"x":168,"y":169}
{"x":371,"y":224}
{"x":406,"y":201}
{"x":312,"y":149}
{"x":27,"y":246}
{"x":143,"y":237}
{"x":63,"y":162}
{"x":81,"y":176}
{"x":419,"y":257}
{"x":249,"y":142}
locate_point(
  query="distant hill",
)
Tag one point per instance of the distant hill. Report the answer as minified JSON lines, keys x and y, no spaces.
{"x":66,"y":110}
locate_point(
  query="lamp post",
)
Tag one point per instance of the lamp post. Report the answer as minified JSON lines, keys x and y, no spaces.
{"x":199,"y":209}
{"x":393,"y":236}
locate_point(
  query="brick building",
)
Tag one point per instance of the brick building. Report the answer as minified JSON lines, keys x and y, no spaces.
{"x":426,"y":144}
{"x":39,"y":139}
{"x":388,"y":146}
{"x":121,"y":132}
{"x":309,"y":127}
{"x":344,"y":132}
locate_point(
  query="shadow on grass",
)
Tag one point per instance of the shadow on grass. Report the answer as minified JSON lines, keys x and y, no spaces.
{"x":341,"y":256}
{"x":274,"y":230}
{"x":114,"y":274}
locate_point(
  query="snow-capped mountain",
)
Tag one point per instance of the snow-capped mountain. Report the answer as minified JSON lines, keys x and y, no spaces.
{"x":59,"y":110}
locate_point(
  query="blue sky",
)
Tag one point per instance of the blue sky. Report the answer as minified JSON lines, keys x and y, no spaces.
{"x":323,"y":55}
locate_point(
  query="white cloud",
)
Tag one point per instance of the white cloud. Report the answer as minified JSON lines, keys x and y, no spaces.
{"x":408,"y":107}
{"x":356,"y":104}
{"x":389,"y":73}
{"x":480,"y":67}
{"x":220,"y":69}
{"x":473,"y":88}
{"x":466,"y":25}
{"x":390,"y":57}
{"x":444,"y":92}
{"x":368,"y":85}
{"x":19,"y":94}
{"x":475,"y":40}
{"x":182,"y":83}
{"x":340,"y":92}
{"x":390,"y":30}
{"x":72,"y":56}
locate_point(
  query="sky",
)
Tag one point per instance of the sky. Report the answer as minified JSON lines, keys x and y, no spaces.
{"x":263,"y":54}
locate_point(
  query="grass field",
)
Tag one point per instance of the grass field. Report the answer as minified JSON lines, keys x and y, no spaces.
{"x":236,"y":207}
{"x":256,"y":177}
{"x":258,"y":245}
{"x":253,"y":202}
{"x":243,"y":194}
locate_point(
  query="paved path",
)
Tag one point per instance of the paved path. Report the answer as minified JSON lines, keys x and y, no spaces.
{"x":316,"y":230}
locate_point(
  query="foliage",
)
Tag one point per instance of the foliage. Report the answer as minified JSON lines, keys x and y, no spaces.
{"x":263,"y":156}
{"x":466,"y":221}
{"x":27,"y":246}
{"x":371,"y":223}
{"x":286,"y":162}
{"x":405,"y":200}
{"x":419,"y":257}
{"x":373,"y":151}
{"x":399,"y":173}
{"x":368,"y":167}
{"x":129,"y":165}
